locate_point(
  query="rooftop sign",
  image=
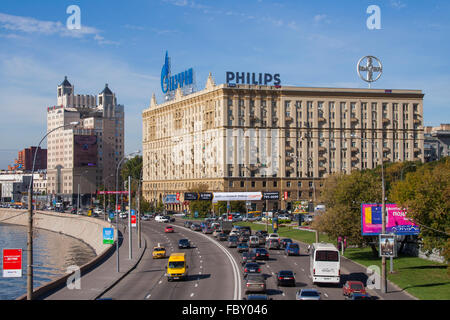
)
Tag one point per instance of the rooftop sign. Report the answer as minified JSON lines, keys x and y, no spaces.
{"x":171,"y":82}
{"x":253,"y":78}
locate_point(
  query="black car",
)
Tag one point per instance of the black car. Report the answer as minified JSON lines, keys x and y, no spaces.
{"x":184,"y":244}
{"x":261,"y":254}
{"x":284,"y":242}
{"x":248,"y":257}
{"x":257,"y":297}
{"x":251,"y":267}
{"x":285,"y":277}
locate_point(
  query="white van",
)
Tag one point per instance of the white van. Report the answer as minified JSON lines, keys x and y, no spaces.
{"x":325,"y":264}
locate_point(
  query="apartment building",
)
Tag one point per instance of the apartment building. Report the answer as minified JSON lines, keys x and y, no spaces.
{"x":241,"y":137}
{"x":81,"y":159}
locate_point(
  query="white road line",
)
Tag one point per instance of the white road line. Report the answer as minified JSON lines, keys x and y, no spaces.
{"x":192,"y":294}
{"x":325,"y":295}
{"x":196,"y":285}
{"x":160,"y":281}
{"x":148,"y":296}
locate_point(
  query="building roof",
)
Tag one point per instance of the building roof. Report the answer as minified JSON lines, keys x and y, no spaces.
{"x":106,"y":90}
{"x":66,"y":82}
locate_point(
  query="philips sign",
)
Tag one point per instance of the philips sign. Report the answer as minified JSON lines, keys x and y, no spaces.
{"x":253,"y":78}
{"x":170,"y":83}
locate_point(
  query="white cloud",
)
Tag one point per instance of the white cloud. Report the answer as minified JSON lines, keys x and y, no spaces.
{"x":34,"y":26}
{"x":397,"y":4}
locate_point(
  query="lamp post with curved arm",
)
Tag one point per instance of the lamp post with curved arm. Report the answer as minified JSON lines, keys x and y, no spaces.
{"x":30,"y":215}
{"x":117,"y":214}
{"x":383,"y":212}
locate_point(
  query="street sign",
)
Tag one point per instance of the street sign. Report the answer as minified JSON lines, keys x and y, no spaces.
{"x":133,"y":220}
{"x":196,"y":214}
{"x":271,"y":195}
{"x":108,"y":235}
{"x":12,"y":263}
{"x":111,"y":215}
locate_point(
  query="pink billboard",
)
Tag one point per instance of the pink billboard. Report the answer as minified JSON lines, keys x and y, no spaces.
{"x":396,"y":222}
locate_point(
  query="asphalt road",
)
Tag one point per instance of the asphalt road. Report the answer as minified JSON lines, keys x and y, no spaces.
{"x":213,"y":273}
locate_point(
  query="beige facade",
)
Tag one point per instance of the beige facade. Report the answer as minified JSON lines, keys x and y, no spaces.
{"x":266,"y":138}
{"x":105,"y":121}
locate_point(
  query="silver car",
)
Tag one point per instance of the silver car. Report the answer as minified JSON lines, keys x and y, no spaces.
{"x":255,"y":283}
{"x":307,"y":294}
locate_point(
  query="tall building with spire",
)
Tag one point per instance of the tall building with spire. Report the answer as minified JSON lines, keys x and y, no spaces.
{"x":82,"y":159}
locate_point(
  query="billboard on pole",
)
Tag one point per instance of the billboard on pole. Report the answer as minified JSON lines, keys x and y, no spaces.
{"x":12,"y":263}
{"x":397,"y":221}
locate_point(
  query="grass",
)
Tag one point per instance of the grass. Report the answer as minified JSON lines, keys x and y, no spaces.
{"x":424,"y":279}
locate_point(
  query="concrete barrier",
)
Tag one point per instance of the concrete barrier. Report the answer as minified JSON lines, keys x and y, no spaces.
{"x":87,"y":229}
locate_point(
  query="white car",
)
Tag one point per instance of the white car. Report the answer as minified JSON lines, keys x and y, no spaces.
{"x":273,"y":236}
{"x":98,"y":211}
{"x":161,"y":219}
{"x":123,"y":215}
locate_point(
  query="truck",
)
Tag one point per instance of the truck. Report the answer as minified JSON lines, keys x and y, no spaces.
{"x":226,"y":226}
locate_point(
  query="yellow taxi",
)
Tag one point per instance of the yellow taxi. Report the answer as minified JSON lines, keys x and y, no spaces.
{"x":159,"y":252}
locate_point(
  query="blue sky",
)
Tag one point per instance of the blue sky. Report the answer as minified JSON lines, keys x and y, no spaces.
{"x":310,"y":43}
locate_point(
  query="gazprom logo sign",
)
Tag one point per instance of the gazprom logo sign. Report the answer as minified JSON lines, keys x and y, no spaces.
{"x":170,"y":83}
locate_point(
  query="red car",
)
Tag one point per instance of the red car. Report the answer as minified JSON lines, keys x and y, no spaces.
{"x":168,"y":229}
{"x":353,"y":287}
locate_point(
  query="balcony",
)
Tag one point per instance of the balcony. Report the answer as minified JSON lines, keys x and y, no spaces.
{"x":386,"y":159}
{"x":289,"y":119}
{"x":386,"y":121}
{"x":321,"y":119}
{"x":355,"y":159}
{"x":417,"y":150}
{"x":354,"y":120}
{"x":322,"y":168}
{"x":290,"y":169}
{"x":322,"y":149}
{"x":289,"y":159}
{"x":386,"y":149}
{"x":322,"y":159}
{"x":354,"y":149}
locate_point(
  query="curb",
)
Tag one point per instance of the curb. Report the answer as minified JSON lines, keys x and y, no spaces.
{"x":114,"y":282}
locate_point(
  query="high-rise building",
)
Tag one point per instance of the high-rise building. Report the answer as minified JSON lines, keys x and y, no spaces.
{"x":26,"y":157}
{"x":81,"y":159}
{"x":240,"y":137}
{"x":437,"y":142}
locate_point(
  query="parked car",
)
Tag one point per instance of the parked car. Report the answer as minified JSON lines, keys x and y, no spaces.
{"x":353,"y":287}
{"x":307,"y":294}
{"x":272,"y":244}
{"x":251,"y":267}
{"x":292,"y":249}
{"x":255,"y":283}
{"x":284,"y":242}
{"x":285,"y":277}
{"x":184,"y":244}
{"x":145,"y":218}
{"x":187,"y":224}
{"x":98,"y":211}
{"x":207,"y":230}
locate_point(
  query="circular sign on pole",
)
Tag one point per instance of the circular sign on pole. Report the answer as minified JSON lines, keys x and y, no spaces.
{"x":369,"y":69}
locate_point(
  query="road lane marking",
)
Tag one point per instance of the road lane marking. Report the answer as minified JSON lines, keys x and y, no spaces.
{"x":325,"y":294}
{"x":192,"y":294}
{"x":148,"y":296}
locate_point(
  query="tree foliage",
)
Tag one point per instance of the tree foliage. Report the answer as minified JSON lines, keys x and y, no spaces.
{"x":202,"y":207}
{"x":426,"y":195}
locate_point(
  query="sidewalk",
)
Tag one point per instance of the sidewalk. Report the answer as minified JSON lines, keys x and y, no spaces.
{"x":103,"y":277}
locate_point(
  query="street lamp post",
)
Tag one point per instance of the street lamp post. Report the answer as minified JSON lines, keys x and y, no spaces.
{"x":383,"y":213}
{"x":30,"y":216}
{"x":117,"y":201}
{"x":104,"y":195}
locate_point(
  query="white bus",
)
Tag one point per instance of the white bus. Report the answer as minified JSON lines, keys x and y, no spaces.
{"x":325,"y":264}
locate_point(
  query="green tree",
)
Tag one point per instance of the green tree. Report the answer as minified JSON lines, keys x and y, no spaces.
{"x":426,"y":195}
{"x":202,"y":207}
{"x":343,"y":196}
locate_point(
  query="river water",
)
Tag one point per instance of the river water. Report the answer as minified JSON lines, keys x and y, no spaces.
{"x":53,"y":253}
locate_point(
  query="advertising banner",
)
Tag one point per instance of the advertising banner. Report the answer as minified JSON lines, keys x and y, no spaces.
{"x":396,"y":220}
{"x":300,"y":207}
{"x":171,"y":199}
{"x":205,"y":196}
{"x":85,"y":151}
{"x":271,"y":195}
{"x":12,"y":263}
{"x":190,"y":196}
{"x":112,"y":192}
{"x":108,"y":235}
{"x":237,"y":196}
{"x":387,"y":245}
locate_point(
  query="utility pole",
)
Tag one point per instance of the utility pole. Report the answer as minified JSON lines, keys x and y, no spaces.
{"x":129,"y":219}
{"x":30,"y":242}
